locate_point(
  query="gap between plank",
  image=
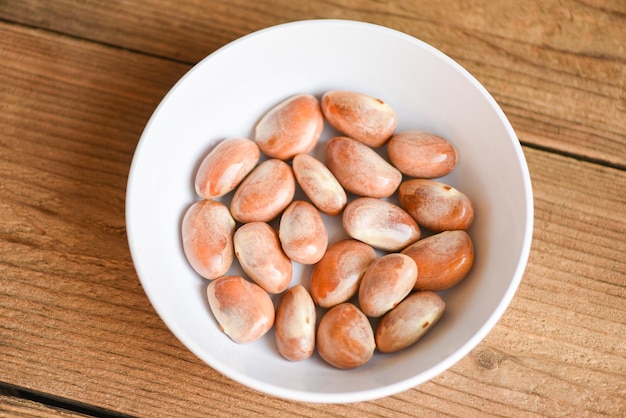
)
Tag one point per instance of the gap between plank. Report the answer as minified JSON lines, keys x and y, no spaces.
{"x":57,"y":402}
{"x":563,"y":153}
{"x":95,"y":41}
{"x":578,"y":157}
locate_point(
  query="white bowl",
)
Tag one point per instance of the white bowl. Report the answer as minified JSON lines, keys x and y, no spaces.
{"x":227,"y":92}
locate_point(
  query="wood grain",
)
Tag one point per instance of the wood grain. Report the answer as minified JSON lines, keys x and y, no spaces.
{"x":75,"y":321}
{"x":11,"y":406}
{"x":543,"y":61}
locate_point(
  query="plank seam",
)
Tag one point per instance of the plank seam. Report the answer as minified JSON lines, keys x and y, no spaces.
{"x":94,"y":41}
{"x":578,"y":157}
{"x":59,"y":403}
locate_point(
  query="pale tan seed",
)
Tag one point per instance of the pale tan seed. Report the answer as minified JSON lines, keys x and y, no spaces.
{"x":319,"y":184}
{"x":302,"y":233}
{"x":379,"y":223}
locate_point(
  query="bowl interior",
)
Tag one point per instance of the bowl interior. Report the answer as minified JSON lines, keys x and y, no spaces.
{"x":226,"y":93}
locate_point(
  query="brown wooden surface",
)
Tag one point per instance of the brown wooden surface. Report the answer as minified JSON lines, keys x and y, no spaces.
{"x":19,"y":407}
{"x":78,"y":81}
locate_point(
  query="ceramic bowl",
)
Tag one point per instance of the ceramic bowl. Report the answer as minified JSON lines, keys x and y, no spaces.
{"x":226,"y":93}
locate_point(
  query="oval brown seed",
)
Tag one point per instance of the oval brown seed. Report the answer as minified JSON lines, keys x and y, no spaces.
{"x":222,"y":169}
{"x":345,"y":338}
{"x":319,"y":184}
{"x":421,"y":154}
{"x":242,"y":309}
{"x":435,"y":205}
{"x":380,"y":224}
{"x":294,"y":325}
{"x":291,"y":127}
{"x":443,"y":259}
{"x":261,"y":256}
{"x":207,"y":235}
{"x":337,"y":276}
{"x":405,"y":324}
{"x":265,"y":193}
{"x":359,"y":116}
{"x":302,"y":233}
{"x":387,"y":281}
{"x":360,"y":169}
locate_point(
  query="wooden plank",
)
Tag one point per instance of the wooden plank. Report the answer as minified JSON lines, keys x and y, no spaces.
{"x":545,"y":62}
{"x":11,"y":406}
{"x":16,"y":402}
{"x":77,"y":325}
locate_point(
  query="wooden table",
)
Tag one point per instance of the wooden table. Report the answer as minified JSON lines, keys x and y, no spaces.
{"x":78,"y":81}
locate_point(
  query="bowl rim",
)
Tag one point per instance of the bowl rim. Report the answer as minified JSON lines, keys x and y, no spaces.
{"x":391,"y":389}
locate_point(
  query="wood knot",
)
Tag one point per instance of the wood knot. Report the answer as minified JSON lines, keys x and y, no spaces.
{"x":487,"y":359}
